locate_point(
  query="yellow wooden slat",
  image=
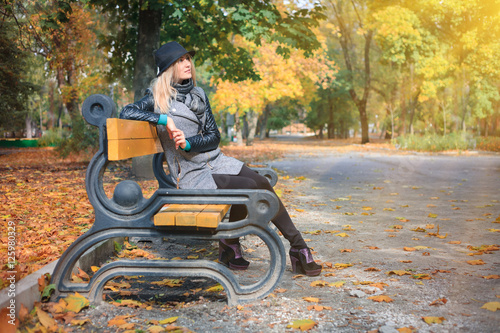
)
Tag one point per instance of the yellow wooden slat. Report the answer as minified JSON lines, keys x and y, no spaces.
{"x":201,"y":216}
{"x":118,"y":129}
{"x":187,"y":217}
{"x":166,"y":216}
{"x":211,"y":216}
{"x":122,"y":149}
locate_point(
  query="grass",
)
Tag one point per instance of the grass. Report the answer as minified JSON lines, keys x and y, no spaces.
{"x":434,"y":142}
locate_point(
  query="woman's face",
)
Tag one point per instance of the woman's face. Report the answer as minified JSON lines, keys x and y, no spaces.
{"x":183,"y":69}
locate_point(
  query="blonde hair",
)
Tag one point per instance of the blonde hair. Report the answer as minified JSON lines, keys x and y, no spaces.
{"x":163,"y":86}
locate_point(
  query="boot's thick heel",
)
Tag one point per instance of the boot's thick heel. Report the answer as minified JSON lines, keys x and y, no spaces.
{"x":230,"y":256}
{"x":303,"y":262}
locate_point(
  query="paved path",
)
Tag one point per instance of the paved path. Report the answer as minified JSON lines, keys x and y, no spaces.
{"x":382,"y":202}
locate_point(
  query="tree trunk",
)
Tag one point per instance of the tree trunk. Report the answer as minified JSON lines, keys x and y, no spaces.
{"x":237,"y":124}
{"x":148,"y":40}
{"x":331,"y":124}
{"x":29,"y":129}
{"x":263,"y":123}
{"x":252,"y":118}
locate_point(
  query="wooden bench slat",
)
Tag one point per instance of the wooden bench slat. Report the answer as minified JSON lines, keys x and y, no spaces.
{"x":118,"y":129}
{"x":122,"y":149}
{"x":201,"y":216}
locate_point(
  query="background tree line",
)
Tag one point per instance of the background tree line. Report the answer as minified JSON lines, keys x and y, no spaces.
{"x":344,"y":67}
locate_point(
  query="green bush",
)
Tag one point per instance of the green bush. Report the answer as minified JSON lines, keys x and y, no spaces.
{"x":434,"y":142}
{"x":51,"y":138}
{"x":83,"y":137}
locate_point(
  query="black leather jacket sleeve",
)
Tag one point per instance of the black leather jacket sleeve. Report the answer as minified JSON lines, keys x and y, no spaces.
{"x":209,"y":137}
{"x":142,"y":110}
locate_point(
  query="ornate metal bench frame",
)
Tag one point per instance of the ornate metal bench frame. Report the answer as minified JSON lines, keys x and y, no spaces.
{"x":115,"y":220}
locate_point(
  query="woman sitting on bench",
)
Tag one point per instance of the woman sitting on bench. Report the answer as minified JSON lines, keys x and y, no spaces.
{"x":183,"y":109}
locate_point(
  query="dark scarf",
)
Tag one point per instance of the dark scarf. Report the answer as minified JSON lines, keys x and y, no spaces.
{"x":197,"y":104}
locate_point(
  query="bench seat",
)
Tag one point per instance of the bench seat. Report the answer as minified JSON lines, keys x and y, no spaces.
{"x":199,"y":216}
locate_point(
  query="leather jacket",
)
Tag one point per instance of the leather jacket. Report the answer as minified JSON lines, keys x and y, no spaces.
{"x":208,"y":139}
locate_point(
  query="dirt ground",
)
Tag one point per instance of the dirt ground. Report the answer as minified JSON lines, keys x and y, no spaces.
{"x":419,"y":229}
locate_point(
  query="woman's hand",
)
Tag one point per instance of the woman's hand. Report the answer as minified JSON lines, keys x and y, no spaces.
{"x":171,"y":128}
{"x":179,"y":138}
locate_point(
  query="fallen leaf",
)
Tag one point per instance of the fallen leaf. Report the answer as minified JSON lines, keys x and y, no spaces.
{"x":379,"y":285}
{"x":79,"y":322}
{"x":342,"y":234}
{"x":342,"y":265}
{"x":404,"y":330}
{"x":433,"y":320}
{"x":489,"y":277}
{"x":492,"y":306}
{"x":45,"y":319}
{"x":168,"y":320}
{"x":216,"y":288}
{"x":280,"y":290}
{"x":372,"y":269}
{"x":441,"y":301}
{"x":398,"y":272}
{"x":476,"y":262}
{"x":303,"y":325}
{"x":345,"y":250}
{"x":372,"y":247}
{"x":76,"y":302}
{"x":409,"y":249}
{"x":156,"y":329}
{"x":432,"y":215}
{"x":311,"y":299}
{"x":337,"y":284}
{"x":381,"y":298}
{"x":319,"y":283}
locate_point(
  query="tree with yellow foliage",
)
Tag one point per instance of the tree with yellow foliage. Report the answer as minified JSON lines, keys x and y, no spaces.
{"x":296,"y":78}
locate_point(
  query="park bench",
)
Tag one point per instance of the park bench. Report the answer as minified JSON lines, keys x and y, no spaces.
{"x":169,"y":213}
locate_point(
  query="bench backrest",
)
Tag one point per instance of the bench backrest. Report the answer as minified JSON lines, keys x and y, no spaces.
{"x":131,"y":138}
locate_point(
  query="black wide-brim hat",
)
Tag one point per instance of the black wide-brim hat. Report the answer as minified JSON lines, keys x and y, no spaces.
{"x":169,"y":53}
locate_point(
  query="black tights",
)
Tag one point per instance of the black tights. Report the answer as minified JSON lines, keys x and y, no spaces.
{"x":249,"y":179}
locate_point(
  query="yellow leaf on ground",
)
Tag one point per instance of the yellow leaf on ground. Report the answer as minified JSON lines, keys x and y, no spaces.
{"x":76,"y":302}
{"x":279,"y":290}
{"x":433,"y":320}
{"x":381,"y":298}
{"x":168,"y":320}
{"x":342,"y":234}
{"x":299,"y":210}
{"x":455,"y":242}
{"x":492,"y":306}
{"x":303,"y":325}
{"x":345,"y":250}
{"x":379,"y":285}
{"x":156,"y":329}
{"x":45,"y":319}
{"x":319,"y":283}
{"x":489,"y":277}
{"x":215,"y":288}
{"x":79,"y":322}
{"x":311,"y":299}
{"x":337,"y":284}
{"x":432,"y":215}
{"x":494,"y":230}
{"x":338,"y":265}
{"x":404,"y":330}
{"x":409,"y":249}
{"x":94,"y":268}
{"x":398,"y":272}
{"x":476,"y":262}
